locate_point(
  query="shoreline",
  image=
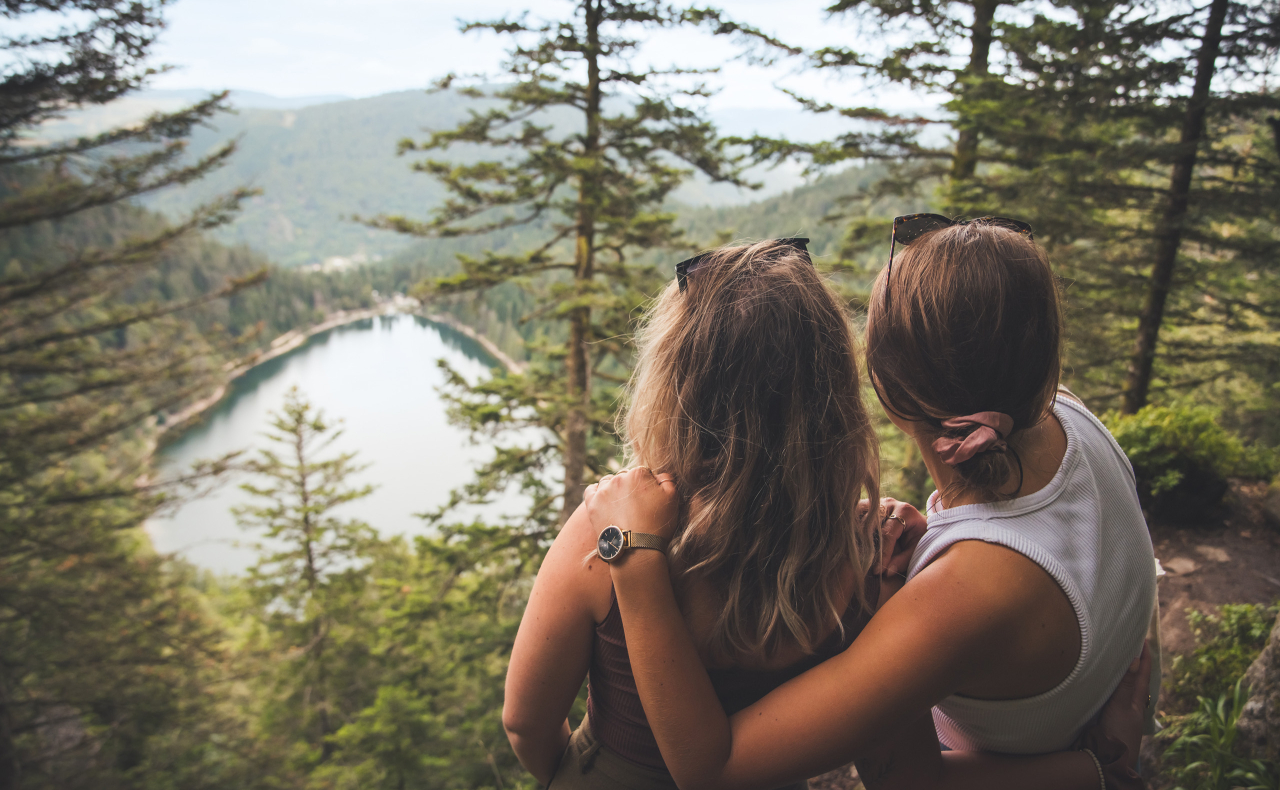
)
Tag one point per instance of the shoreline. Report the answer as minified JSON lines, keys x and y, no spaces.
{"x":279,"y":346}
{"x":488,"y":345}
{"x":295,"y":338}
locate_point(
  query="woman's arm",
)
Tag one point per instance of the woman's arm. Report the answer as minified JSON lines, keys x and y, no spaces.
{"x":914,"y":762}
{"x":928,"y":638}
{"x":914,"y":652}
{"x":552,"y":650}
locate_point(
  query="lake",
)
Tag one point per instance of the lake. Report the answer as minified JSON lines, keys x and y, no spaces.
{"x":380,"y":378}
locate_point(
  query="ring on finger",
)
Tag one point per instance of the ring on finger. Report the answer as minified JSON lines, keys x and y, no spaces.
{"x":897,"y":518}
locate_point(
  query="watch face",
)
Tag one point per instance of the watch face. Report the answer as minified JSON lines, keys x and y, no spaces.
{"x":610,"y":543}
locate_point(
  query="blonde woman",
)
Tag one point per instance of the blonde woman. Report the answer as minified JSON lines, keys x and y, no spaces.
{"x":747,"y":392}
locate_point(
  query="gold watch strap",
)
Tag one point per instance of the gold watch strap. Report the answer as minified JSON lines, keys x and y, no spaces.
{"x":643,"y":540}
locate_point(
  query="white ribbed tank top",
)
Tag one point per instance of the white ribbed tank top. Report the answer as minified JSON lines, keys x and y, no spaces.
{"x":1087,"y":531}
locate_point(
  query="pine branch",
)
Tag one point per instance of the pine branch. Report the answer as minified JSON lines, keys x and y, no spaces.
{"x":115,"y":180}
{"x":128,"y":316}
{"x":155,"y":128}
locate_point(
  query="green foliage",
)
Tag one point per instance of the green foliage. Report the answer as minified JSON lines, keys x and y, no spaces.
{"x":1157,"y":200}
{"x":1205,"y":694}
{"x":1203,"y":755}
{"x":311,"y":588}
{"x":1226,"y":643}
{"x":110,"y":664}
{"x":1182,"y":456}
{"x":449,"y":619}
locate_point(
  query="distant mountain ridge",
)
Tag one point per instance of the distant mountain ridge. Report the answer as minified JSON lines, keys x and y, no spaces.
{"x":250,"y":100}
{"x":321,"y":159}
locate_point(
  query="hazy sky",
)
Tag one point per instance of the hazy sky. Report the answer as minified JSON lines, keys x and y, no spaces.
{"x":366,"y":47}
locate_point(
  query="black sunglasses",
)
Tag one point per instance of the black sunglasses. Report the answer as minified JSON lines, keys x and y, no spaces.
{"x":684,"y":269}
{"x":909,"y":227}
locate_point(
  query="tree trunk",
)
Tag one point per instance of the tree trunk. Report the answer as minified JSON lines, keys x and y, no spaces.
{"x":966,"y":158}
{"x":1168,"y":234}
{"x":312,"y":578}
{"x":326,"y":747}
{"x":578,"y":369}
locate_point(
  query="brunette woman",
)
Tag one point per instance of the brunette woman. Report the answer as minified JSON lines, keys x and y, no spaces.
{"x":1027,"y":599}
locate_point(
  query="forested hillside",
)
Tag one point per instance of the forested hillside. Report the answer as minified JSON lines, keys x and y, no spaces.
{"x":317,"y":167}
{"x":292,"y":298}
{"x":321,"y":163}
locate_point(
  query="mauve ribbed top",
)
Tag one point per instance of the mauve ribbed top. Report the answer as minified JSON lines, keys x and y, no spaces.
{"x":613,"y":704}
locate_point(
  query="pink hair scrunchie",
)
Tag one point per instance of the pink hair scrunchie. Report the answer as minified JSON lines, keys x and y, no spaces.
{"x":993,"y":427}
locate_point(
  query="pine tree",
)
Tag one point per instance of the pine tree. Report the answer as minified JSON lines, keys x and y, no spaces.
{"x":1252,"y":37}
{"x":956,"y":51}
{"x":1141,"y":148}
{"x":581,"y":150}
{"x":311,"y":583}
{"x":104,"y":656}
{"x":1137,"y":140}
{"x":589,"y":149}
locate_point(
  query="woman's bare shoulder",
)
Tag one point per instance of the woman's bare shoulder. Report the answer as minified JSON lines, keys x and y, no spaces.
{"x":1023,"y":627}
{"x":572,"y":561}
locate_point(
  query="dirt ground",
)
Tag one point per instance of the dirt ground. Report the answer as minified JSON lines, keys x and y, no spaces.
{"x":1232,"y":556}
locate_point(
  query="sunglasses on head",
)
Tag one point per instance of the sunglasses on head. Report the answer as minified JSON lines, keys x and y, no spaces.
{"x":686,"y":268}
{"x":910,"y":227}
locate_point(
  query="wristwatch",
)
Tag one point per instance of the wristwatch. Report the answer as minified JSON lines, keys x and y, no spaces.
{"x":614,"y":540}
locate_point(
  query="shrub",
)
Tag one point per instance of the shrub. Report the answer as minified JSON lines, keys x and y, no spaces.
{"x":1182,"y":457}
{"x":1226,"y":643}
{"x":1203,"y":754}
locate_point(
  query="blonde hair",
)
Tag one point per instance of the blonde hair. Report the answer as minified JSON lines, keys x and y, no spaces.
{"x":747,"y":391}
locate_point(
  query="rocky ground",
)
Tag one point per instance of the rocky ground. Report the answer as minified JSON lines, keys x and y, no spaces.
{"x":1231,"y":556}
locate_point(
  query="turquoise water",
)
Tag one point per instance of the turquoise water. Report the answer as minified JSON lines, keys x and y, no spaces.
{"x":380,"y":377}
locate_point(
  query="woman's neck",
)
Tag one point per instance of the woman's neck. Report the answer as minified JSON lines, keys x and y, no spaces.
{"x":1040,"y":448}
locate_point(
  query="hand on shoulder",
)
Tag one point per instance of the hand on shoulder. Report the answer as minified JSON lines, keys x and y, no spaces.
{"x":901,"y":529}
{"x":634,"y":499}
